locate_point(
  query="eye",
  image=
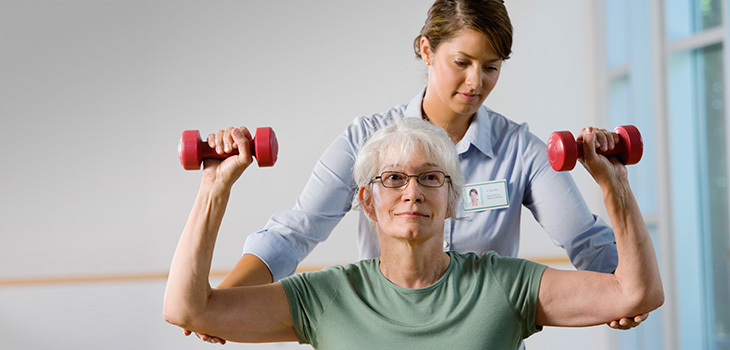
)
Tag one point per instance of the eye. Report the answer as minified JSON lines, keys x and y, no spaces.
{"x":394,"y":177}
{"x":461,"y":63}
{"x":493,"y":65}
{"x":430,"y":176}
{"x":431,"y":179}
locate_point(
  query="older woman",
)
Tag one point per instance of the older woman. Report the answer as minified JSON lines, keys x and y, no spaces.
{"x":414,"y":295}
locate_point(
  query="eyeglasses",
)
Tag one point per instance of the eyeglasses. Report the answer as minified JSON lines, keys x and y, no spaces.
{"x":395,"y":179}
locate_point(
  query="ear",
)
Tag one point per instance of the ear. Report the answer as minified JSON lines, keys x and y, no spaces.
{"x":365,"y":197}
{"x":426,"y":54}
{"x":450,"y":211}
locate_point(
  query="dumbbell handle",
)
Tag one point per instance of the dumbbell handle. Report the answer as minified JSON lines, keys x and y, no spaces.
{"x":192,"y":149}
{"x":617,"y":150}
{"x":563,"y":151}
{"x":208,"y":152}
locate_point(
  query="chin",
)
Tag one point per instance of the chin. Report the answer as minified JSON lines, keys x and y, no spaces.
{"x":466,"y":110}
{"x":414,"y":233}
{"x":467,"y":113}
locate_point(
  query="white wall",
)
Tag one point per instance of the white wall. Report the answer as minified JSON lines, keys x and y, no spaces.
{"x":95,"y":94}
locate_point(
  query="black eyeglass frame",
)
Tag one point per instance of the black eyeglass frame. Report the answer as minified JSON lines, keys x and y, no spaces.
{"x":408,"y":178}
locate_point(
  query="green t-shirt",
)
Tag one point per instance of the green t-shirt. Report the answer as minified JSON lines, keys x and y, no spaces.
{"x":481,"y":302}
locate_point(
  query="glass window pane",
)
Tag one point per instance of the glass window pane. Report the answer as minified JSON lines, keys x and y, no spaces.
{"x":616,"y":26}
{"x":684,"y":146}
{"x":687,"y":17}
{"x":708,"y":14}
{"x":712,"y":115}
{"x":678,"y":19}
{"x":619,"y":100}
{"x":699,"y":163}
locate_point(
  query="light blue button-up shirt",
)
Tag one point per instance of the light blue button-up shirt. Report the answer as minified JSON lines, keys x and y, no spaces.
{"x":494,"y":148}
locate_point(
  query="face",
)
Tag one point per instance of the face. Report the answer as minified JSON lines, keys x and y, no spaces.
{"x":412,"y":212}
{"x":461,"y":73}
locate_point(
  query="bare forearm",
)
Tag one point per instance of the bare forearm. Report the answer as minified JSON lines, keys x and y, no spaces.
{"x":637,"y":270}
{"x":584,"y":298}
{"x":188,"y":288}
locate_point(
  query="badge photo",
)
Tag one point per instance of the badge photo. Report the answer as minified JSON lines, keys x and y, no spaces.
{"x":485,"y":196}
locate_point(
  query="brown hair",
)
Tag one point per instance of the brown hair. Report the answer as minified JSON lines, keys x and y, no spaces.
{"x":447,"y":17}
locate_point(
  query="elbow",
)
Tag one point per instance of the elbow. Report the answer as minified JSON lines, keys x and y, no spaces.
{"x":183,"y":308}
{"x":657,"y":299}
{"x":170,"y":316}
{"x":179,"y":314}
{"x":650,"y":300}
{"x":175,"y":316}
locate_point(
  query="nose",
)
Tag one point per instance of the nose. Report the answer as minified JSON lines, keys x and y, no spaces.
{"x":412,"y":192}
{"x":474,"y":78}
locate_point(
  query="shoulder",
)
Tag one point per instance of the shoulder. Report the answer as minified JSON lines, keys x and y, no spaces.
{"x":492,"y":262}
{"x":361,"y":128}
{"x":512,"y":273}
{"x":508,"y":139}
{"x":497,"y":261}
{"x":341,"y":153}
{"x":331,"y":275}
{"x":502,"y":129}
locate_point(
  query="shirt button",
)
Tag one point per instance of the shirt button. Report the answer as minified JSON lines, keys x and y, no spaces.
{"x":446,"y":244}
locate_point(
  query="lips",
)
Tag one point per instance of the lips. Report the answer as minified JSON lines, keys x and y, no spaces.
{"x":411,"y":214}
{"x":468,"y":96}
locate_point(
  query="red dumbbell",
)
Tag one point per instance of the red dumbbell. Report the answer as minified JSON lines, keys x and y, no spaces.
{"x":563,"y":151}
{"x":192,"y":150}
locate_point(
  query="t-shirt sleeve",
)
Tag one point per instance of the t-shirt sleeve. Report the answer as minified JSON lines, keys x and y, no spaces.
{"x":520,"y":281}
{"x":309,"y":295}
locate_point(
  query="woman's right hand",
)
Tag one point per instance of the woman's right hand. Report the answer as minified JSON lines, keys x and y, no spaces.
{"x":206,"y":338}
{"x":227,"y":171}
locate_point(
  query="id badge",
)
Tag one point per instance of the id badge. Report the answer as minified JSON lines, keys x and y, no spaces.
{"x":485,"y":196}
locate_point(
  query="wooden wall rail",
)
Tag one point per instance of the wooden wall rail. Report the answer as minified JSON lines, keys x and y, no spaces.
{"x":163,"y":275}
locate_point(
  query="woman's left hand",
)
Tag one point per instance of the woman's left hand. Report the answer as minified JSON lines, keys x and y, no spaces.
{"x":604,"y":169}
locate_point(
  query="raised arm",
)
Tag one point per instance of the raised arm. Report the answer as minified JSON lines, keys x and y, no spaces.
{"x":247,"y":314}
{"x":273,"y":253}
{"x":290,"y":235}
{"x":584,"y":298}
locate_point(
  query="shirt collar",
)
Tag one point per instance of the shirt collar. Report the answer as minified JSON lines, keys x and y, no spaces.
{"x":478,"y":133}
{"x":413,"y":109}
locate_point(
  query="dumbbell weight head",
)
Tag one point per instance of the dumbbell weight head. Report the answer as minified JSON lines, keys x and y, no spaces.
{"x":192,"y":150}
{"x":563,"y":151}
{"x":633,"y":144}
{"x":265,"y":147}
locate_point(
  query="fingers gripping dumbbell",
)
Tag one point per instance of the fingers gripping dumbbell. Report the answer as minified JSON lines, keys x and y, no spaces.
{"x":563,"y":150}
{"x":192,"y":149}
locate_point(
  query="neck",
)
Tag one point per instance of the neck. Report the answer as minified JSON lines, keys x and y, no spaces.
{"x":454,"y":124}
{"x":413,"y":265}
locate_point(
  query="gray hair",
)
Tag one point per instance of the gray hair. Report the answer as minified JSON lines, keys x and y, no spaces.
{"x":406,"y":137}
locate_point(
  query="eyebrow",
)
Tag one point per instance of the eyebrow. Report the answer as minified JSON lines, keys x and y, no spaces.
{"x":428,"y":164}
{"x":496,"y":59}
